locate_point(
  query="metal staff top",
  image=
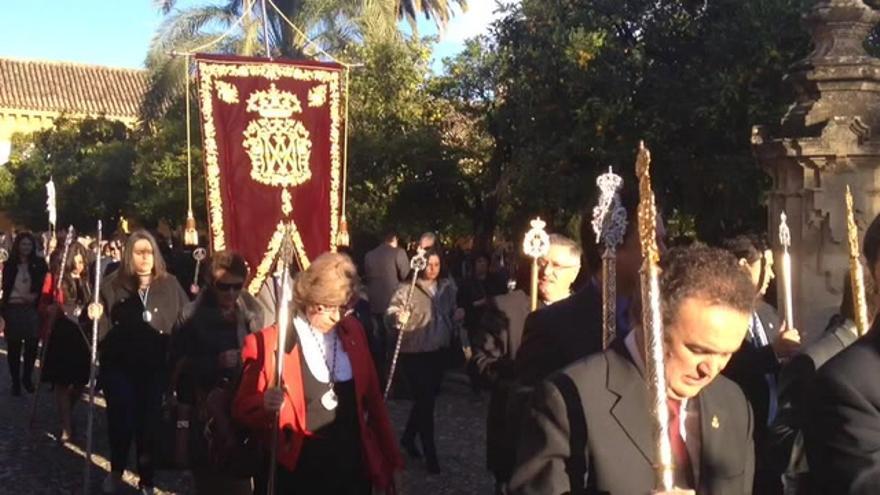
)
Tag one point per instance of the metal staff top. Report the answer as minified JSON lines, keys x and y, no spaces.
{"x":418,"y":263}
{"x":652,"y":323}
{"x":785,"y":241}
{"x":857,"y":275}
{"x":609,"y":224}
{"x":67,"y":242}
{"x":536,"y":244}
{"x":284,"y":305}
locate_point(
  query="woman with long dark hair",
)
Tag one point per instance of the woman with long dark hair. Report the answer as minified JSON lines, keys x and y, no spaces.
{"x":141,"y":306}
{"x":23,"y":277}
{"x":67,"y":347}
{"x":430,"y":324}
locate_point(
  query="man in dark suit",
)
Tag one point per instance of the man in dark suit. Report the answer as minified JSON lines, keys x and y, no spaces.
{"x":795,"y":381}
{"x":497,"y":348}
{"x":842,"y":435}
{"x":589,"y":428}
{"x":385,"y":267}
{"x":755,"y":366}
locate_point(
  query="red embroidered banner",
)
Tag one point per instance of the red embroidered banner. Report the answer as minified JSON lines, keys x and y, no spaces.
{"x":272,"y":134}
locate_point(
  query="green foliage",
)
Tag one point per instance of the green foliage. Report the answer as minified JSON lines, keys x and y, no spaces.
{"x":587,"y":79}
{"x":399,"y":171}
{"x":90,"y":162}
{"x":158,"y":185}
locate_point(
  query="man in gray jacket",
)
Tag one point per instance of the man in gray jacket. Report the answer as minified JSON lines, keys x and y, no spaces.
{"x":385,"y":267}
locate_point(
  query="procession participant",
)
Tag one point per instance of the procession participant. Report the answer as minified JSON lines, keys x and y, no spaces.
{"x":385,"y":268}
{"x":65,"y":318}
{"x":565,"y":326}
{"x":207,"y":351}
{"x":428,"y":241}
{"x":474,"y":297}
{"x":335,"y":434}
{"x":141,"y":306}
{"x":589,"y":428}
{"x":842,"y":435}
{"x":755,"y":366}
{"x":495,"y":348}
{"x":795,"y":381}
{"x":23,"y":276}
{"x":429,"y":324}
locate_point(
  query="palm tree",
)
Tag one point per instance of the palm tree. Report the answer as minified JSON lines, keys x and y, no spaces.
{"x":330,"y":24}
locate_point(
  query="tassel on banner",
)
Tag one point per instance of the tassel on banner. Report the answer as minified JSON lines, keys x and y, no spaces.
{"x":190,"y":234}
{"x":342,"y":237}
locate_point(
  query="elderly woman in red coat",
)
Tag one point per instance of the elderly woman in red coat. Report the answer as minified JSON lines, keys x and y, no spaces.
{"x":335,"y":437}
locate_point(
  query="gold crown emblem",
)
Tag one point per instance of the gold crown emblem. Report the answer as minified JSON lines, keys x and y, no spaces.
{"x":274,"y":103}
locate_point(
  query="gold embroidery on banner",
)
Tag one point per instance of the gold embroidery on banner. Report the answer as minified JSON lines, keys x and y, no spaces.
{"x":211,"y":73}
{"x":318,"y":96}
{"x":227,"y":92}
{"x":278,"y":145}
{"x":271,"y":255}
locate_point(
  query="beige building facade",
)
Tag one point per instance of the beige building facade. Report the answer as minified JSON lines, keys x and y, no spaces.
{"x":34,"y":93}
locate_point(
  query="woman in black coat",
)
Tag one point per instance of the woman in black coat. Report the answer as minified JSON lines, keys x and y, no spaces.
{"x":23,"y":277}
{"x":141,"y":306}
{"x":68,"y":346}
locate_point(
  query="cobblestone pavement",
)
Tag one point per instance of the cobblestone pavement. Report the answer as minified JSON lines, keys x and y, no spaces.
{"x":33,"y":463}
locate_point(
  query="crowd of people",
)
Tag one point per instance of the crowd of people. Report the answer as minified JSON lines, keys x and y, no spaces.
{"x":751,"y":408}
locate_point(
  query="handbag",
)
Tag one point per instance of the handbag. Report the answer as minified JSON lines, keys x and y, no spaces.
{"x":173,"y":436}
{"x":231,"y":448}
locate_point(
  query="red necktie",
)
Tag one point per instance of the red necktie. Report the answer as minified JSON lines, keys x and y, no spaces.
{"x":684,"y":476}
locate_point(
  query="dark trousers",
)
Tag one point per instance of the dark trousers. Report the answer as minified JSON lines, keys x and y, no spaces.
{"x":379,"y":347}
{"x":133,"y":409}
{"x":424,"y":372}
{"x":15,"y":348}
{"x":21,"y":335}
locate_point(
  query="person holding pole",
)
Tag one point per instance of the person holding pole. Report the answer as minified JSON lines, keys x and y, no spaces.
{"x":428,"y":321}
{"x":842,"y":434}
{"x":65,"y":319}
{"x":333,"y":430}
{"x":141,"y":306}
{"x":590,"y":428}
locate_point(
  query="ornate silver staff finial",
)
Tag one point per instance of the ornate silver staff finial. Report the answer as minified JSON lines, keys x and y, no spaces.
{"x":784,"y":231}
{"x":536,"y":244}
{"x":609,"y":217}
{"x":609,"y":224}
{"x":419,"y":262}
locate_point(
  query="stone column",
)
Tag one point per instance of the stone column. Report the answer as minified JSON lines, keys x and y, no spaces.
{"x":822,"y":144}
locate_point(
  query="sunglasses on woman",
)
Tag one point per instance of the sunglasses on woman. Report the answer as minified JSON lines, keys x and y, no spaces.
{"x":224,"y":287}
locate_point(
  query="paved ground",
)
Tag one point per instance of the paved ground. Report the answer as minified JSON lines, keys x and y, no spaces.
{"x":33,"y":463}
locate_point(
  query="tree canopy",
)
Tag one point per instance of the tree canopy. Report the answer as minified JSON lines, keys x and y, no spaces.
{"x":518,"y":124}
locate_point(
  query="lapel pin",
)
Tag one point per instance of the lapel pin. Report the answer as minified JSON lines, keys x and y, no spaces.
{"x":715,"y":423}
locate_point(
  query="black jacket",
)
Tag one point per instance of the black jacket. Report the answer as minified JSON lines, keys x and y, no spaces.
{"x":589,"y":430}
{"x":795,"y":382}
{"x":126,"y":341}
{"x":750,"y":365}
{"x":495,"y":348}
{"x":843,"y":431}
{"x":560,"y":334}
{"x":37,"y":269}
{"x":204,"y":334}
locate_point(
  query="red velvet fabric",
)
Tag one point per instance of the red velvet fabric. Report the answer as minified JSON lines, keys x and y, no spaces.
{"x":381,"y":455}
{"x":251,"y":211}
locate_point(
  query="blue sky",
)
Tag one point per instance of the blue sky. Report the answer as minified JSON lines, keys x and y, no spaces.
{"x":118,"y":32}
